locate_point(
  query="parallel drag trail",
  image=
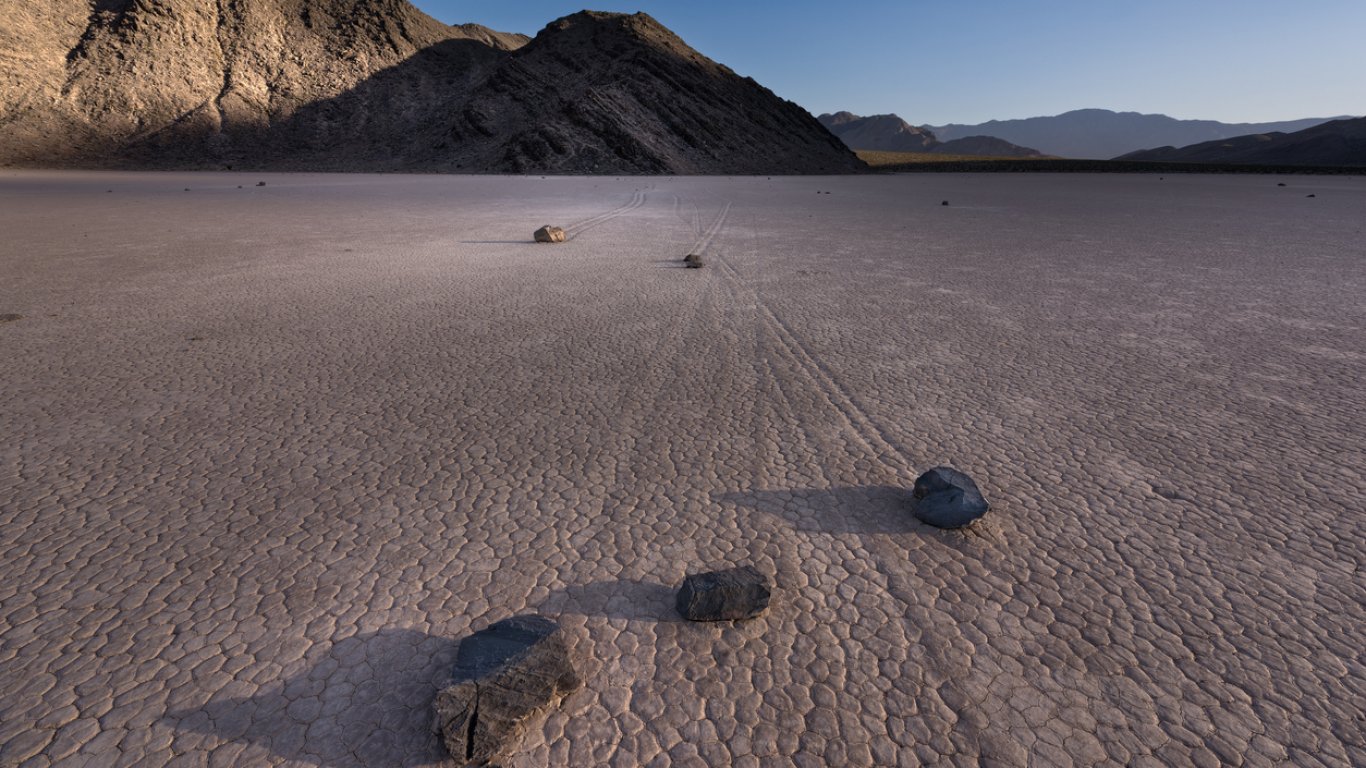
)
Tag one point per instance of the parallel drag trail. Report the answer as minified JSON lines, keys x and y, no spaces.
{"x":579,"y":227}
{"x":669,"y":344}
{"x":878,"y":443}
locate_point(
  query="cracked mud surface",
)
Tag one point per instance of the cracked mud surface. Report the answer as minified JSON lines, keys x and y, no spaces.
{"x":403,"y":421}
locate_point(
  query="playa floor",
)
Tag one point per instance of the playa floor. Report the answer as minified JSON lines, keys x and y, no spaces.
{"x":270,"y":452}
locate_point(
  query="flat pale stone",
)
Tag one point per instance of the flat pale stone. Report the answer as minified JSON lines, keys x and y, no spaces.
{"x":504,"y":677}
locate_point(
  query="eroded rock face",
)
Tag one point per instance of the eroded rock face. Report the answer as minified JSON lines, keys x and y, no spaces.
{"x":549,"y":234}
{"x":504,"y":677}
{"x":341,"y":85}
{"x":737,"y":593}
{"x":947,"y":498}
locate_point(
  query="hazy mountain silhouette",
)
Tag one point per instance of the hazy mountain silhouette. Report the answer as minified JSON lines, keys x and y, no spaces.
{"x":889,"y":133}
{"x":1336,"y":143}
{"x":1100,"y":133}
{"x":378,"y":85}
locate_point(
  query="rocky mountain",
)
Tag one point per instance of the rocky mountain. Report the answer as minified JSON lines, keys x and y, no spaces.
{"x":884,"y":133}
{"x":1335,"y":143}
{"x":889,"y":133}
{"x":378,"y":85}
{"x":1100,"y":133}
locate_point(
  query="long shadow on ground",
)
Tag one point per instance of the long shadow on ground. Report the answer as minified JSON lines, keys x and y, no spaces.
{"x":367,"y":702}
{"x":620,"y":599}
{"x":862,"y":510}
{"x":844,"y":509}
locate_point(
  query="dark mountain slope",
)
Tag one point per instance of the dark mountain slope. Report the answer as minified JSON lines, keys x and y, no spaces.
{"x":378,"y":85}
{"x":1336,"y":143}
{"x":597,"y":91}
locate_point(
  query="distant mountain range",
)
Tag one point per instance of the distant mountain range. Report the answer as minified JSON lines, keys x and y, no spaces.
{"x":1100,"y":134}
{"x":1335,"y":143}
{"x":889,"y":133}
{"x":377,"y":85}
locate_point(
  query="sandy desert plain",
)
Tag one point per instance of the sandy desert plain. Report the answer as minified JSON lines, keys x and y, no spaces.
{"x":270,"y":452}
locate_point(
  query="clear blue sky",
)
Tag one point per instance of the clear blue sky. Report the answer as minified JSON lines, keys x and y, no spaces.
{"x":967,"y":61}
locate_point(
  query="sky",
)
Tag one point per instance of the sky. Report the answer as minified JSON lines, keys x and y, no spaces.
{"x":969,"y":61}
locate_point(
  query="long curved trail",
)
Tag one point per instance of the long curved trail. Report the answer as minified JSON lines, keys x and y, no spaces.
{"x":257,"y":483}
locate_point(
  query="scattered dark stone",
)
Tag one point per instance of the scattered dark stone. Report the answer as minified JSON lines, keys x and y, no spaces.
{"x":10,"y":317}
{"x":946,"y":202}
{"x":693,"y":261}
{"x":1311,"y":195}
{"x":504,"y":676}
{"x":196,"y":338}
{"x":108,"y":191}
{"x":239,"y":186}
{"x":947,"y":498}
{"x":187,"y":189}
{"x":1280,"y":183}
{"x":260,"y":183}
{"x":549,"y":234}
{"x":737,"y":593}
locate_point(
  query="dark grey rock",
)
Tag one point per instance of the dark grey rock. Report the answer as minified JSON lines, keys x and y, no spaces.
{"x":504,"y":677}
{"x":693,"y":261}
{"x":947,"y":498}
{"x":549,"y":234}
{"x":737,"y":593}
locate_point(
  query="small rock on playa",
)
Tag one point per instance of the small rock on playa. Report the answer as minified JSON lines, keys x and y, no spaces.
{"x":947,"y":498}
{"x":549,"y":234}
{"x":693,"y":261}
{"x":733,"y":594}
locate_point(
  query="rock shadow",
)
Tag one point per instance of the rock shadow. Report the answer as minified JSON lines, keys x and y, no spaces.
{"x":630,"y":599}
{"x":367,"y":701}
{"x":870,"y":509}
{"x":843,"y":509}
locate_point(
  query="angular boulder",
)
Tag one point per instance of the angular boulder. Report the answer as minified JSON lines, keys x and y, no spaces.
{"x":947,"y":498}
{"x":549,"y":234}
{"x":693,"y":261}
{"x":504,"y":677}
{"x":737,"y":593}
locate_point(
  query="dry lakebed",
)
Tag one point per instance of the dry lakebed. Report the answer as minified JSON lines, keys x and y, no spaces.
{"x":270,"y":452}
